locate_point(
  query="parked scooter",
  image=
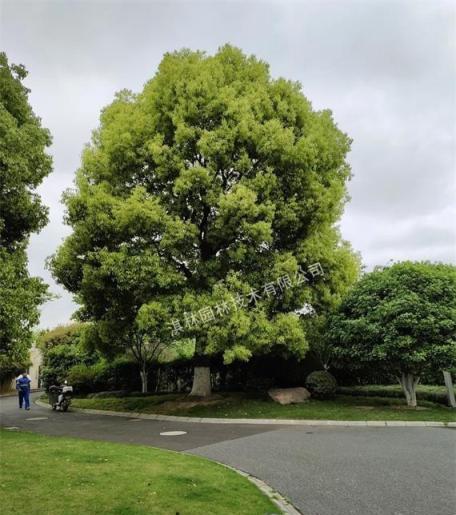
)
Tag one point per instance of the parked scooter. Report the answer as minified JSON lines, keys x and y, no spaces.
{"x":60,"y":396}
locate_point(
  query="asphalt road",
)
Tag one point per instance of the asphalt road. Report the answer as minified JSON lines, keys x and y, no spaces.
{"x":356,"y":471}
{"x":322,"y":470}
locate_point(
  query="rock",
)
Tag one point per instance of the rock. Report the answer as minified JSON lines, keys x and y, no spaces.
{"x":289,"y":395}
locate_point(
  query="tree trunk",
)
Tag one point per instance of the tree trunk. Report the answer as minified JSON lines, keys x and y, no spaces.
{"x":157,"y":385}
{"x":143,"y":374}
{"x":201,"y":382}
{"x":408,"y":382}
{"x":449,"y":387}
{"x":202,"y":372}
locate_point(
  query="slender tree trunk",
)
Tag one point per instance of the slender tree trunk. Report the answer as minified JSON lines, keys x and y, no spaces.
{"x":201,"y":381}
{"x":143,"y":374}
{"x":157,"y":386}
{"x":449,"y":386}
{"x":408,"y":382}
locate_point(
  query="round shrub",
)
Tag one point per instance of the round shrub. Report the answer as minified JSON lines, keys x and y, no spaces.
{"x":321,"y":384}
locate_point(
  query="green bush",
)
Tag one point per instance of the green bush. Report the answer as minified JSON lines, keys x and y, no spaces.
{"x":321,"y":384}
{"x":62,"y":350}
{"x":88,"y":378}
{"x":119,"y":374}
{"x":57,"y":361}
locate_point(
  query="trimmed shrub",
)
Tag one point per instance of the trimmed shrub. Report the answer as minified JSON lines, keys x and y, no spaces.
{"x":430,"y":393}
{"x":321,"y":384}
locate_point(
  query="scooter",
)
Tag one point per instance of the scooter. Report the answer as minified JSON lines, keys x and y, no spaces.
{"x":60,"y":396}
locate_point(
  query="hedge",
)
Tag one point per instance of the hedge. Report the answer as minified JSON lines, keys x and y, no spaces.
{"x":423,"y":392}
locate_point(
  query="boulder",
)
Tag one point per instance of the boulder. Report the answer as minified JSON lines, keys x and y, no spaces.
{"x":289,"y":395}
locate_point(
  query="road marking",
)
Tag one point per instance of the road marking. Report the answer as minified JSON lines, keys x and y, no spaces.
{"x":173,"y":433}
{"x":37,"y":418}
{"x":11,"y":428}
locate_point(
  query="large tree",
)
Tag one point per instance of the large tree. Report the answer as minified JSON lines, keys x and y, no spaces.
{"x":213,"y":183}
{"x":20,"y":296}
{"x":23,"y":165}
{"x":401,"y":319}
{"x":23,"y":160}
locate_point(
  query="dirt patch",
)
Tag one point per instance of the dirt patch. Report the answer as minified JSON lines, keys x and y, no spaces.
{"x":190,"y":402}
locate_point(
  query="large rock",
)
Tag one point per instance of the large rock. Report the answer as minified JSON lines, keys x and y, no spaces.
{"x":289,"y":395}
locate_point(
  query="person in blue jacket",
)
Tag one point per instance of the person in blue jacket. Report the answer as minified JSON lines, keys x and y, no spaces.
{"x":23,"y":389}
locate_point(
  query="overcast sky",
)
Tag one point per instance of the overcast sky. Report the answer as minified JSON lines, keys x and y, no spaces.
{"x":385,"y":68}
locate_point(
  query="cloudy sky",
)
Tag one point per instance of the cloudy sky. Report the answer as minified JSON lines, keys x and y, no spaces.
{"x":385,"y":68}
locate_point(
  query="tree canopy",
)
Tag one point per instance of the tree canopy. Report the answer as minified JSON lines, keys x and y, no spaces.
{"x":69,"y":334}
{"x":23,"y":165}
{"x":23,"y":160}
{"x":20,"y":297}
{"x":211,"y":183}
{"x":400,"y":318}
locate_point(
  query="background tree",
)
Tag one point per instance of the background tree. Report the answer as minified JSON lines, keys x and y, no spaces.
{"x":212,"y":182}
{"x":23,"y":165}
{"x":20,"y":297}
{"x":62,"y":348}
{"x":400,"y":318}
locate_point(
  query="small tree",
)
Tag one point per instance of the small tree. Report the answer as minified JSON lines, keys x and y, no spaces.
{"x":149,"y":338}
{"x":401,"y":318}
{"x":144,"y":338}
{"x":315,"y":326}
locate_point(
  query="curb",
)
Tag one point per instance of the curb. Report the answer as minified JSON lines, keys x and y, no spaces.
{"x":260,"y":421}
{"x":278,"y":499}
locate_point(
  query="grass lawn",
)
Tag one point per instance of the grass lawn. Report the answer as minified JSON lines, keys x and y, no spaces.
{"x":239,"y":405}
{"x":65,"y":476}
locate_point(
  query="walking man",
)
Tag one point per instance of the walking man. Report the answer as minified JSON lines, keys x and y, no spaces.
{"x":23,"y":389}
